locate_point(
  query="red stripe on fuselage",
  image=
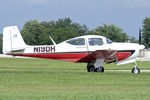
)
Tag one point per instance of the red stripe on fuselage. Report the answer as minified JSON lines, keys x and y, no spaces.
{"x":72,"y":57}
{"x":122,"y":55}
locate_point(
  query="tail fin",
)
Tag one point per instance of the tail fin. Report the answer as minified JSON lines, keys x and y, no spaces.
{"x":12,"y":40}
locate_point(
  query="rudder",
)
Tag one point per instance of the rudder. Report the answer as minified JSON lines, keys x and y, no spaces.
{"x":12,"y":40}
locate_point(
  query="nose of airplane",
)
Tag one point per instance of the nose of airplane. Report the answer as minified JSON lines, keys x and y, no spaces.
{"x":141,"y":47}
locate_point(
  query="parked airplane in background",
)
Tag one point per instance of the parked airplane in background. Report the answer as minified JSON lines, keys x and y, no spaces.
{"x":91,"y":49}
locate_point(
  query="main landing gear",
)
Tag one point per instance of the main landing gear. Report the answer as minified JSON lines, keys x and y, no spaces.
{"x":91,"y":68}
{"x":135,"y":69}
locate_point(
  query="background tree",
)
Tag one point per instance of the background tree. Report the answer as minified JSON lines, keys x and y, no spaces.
{"x":146,"y":32}
{"x":111,"y":31}
{"x":133,"y":40}
{"x":0,"y":43}
{"x":35,"y":33}
{"x":31,"y":32}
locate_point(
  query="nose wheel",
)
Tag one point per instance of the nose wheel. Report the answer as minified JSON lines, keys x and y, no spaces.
{"x":135,"y":69}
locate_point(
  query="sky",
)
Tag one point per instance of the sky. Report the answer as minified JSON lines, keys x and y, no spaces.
{"x":126,"y":14}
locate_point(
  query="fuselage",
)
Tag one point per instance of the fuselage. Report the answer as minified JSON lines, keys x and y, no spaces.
{"x":80,"y":49}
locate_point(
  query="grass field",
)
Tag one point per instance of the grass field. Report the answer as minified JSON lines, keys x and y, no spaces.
{"x":39,"y":79}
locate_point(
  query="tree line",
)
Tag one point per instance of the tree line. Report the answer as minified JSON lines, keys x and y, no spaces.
{"x":146,"y":32}
{"x":37,"y":33}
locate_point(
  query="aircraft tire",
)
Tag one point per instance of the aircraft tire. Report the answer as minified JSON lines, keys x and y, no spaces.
{"x":100,"y":69}
{"x":135,"y":70}
{"x":90,"y":68}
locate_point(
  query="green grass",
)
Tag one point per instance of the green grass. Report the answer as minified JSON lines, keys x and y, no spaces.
{"x":39,"y":79}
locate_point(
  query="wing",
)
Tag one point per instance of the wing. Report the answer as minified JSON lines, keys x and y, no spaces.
{"x":99,"y":54}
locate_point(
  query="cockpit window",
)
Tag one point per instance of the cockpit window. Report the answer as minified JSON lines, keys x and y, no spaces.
{"x":109,"y":41}
{"x":95,"y":41}
{"x":79,"y":41}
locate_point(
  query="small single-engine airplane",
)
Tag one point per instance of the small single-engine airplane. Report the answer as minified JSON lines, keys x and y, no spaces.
{"x":91,"y":49}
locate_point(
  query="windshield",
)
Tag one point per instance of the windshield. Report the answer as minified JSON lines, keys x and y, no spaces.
{"x":109,"y":41}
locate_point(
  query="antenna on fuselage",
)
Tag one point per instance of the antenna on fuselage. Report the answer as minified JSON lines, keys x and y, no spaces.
{"x":52,"y":40}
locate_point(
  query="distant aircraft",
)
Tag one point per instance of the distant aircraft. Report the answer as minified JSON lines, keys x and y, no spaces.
{"x":91,"y":49}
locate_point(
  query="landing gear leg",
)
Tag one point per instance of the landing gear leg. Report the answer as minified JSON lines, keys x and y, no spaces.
{"x":98,"y":65}
{"x":135,"y":69}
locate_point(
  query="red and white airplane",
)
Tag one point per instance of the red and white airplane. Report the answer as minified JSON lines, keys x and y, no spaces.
{"x":91,"y":49}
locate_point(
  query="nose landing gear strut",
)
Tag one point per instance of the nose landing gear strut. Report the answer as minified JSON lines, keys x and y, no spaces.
{"x":135,"y":69}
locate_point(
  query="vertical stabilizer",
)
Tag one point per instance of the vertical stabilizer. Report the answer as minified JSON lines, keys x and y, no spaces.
{"x":12,"y":40}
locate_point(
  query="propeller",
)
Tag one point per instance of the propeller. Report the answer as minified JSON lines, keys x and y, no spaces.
{"x":140,"y":42}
